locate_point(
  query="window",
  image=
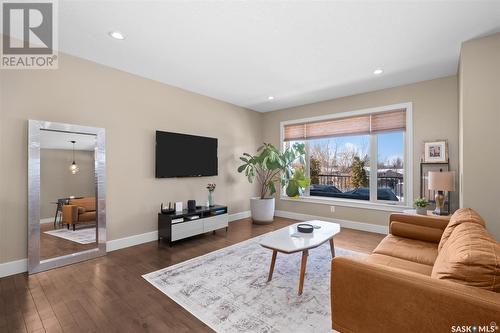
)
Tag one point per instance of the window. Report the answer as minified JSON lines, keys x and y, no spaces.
{"x":360,"y":155}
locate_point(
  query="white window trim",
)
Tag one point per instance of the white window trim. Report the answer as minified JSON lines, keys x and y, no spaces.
{"x":408,"y":160}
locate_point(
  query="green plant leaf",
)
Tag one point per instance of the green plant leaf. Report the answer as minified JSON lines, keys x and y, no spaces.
{"x":281,"y":164}
{"x":304,"y":182}
{"x":272,"y":188}
{"x":421,"y":202}
{"x":292,"y":190}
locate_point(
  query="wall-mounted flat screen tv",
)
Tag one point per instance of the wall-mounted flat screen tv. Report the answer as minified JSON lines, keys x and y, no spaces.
{"x":182,"y":155}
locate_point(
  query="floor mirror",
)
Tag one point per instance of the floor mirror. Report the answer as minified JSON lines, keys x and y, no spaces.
{"x":66,"y":194}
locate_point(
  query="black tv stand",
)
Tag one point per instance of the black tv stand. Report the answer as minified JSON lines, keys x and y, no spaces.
{"x":179,"y":225}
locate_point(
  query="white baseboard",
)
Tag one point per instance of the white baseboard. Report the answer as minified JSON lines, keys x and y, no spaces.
{"x":380,"y":229}
{"x":20,"y":266}
{"x":13,"y":267}
{"x":47,"y":220}
{"x":239,"y":216}
{"x":121,"y":243}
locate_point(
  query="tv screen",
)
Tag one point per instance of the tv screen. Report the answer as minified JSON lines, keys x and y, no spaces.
{"x":182,"y":155}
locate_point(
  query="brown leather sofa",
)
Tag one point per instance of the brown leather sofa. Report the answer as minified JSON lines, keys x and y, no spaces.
{"x":79,"y":211}
{"x":427,"y":275}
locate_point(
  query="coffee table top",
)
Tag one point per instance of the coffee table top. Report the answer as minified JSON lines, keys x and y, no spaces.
{"x":289,"y":240}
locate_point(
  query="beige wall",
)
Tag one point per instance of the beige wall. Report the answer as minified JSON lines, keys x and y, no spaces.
{"x":56,"y":181}
{"x":130,"y":108}
{"x":479,"y":73}
{"x":435,"y":116}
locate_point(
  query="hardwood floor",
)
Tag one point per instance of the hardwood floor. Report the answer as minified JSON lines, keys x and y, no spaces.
{"x":52,"y":246}
{"x":108,"y":294}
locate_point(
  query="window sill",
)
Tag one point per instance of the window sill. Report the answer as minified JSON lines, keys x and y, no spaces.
{"x":349,"y":203}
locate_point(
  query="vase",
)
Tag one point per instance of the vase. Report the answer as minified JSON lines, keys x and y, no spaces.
{"x":421,"y":210}
{"x":210,"y":199}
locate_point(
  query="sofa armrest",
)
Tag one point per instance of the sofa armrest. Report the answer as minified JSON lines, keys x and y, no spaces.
{"x":418,"y":227}
{"x":70,"y":214}
{"x":375,"y":298}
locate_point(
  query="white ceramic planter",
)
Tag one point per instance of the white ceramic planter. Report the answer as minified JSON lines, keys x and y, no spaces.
{"x":262,"y":210}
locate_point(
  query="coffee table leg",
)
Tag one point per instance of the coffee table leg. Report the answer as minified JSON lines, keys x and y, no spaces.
{"x":271,"y":269}
{"x":305,"y":254}
{"x":332,"y":248}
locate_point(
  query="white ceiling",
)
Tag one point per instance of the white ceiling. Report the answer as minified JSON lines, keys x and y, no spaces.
{"x":61,"y":140}
{"x":300,"y":52}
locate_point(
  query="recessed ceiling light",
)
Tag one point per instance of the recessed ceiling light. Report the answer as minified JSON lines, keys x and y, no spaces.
{"x":378,"y":71}
{"x":117,"y":35}
{"x":270,"y":98}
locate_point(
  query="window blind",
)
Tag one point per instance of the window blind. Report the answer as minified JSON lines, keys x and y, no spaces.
{"x":388,"y":121}
{"x":394,"y":120}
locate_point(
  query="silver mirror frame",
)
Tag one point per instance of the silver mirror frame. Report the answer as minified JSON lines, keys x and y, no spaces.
{"x":34,"y":129}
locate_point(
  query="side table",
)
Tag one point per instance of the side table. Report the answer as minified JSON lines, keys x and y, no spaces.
{"x":429,"y":214}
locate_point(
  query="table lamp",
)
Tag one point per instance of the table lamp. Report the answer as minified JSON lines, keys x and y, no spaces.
{"x":441,"y":181}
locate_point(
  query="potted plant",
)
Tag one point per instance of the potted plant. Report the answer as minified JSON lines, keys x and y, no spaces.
{"x":421,"y":206}
{"x":269,"y":167}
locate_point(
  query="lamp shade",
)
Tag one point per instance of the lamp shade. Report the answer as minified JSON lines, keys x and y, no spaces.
{"x":442,"y":181}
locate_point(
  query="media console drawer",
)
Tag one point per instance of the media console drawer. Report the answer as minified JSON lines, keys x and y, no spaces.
{"x":186,"y":229}
{"x":215,"y":222}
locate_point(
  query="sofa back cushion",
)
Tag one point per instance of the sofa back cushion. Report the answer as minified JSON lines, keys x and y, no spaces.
{"x":460,"y":216}
{"x":470,"y":256}
{"x":412,"y":231}
{"x":88,"y":204}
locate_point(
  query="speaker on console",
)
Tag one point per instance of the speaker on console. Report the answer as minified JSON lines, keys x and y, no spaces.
{"x":191,"y":205}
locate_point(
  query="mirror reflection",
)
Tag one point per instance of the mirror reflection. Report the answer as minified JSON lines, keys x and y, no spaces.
{"x":68,"y":217}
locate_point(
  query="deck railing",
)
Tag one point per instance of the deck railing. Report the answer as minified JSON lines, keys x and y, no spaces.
{"x":343,"y":182}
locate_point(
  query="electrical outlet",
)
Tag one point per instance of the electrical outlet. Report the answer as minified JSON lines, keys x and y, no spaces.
{"x":332,"y":209}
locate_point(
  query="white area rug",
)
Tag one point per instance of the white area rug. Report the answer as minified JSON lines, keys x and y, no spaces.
{"x":81,"y":236}
{"x":228,"y":289}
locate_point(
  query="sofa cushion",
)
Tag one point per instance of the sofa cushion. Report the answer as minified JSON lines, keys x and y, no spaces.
{"x":87,"y":217}
{"x":81,"y":210}
{"x":470,"y":256}
{"x":460,"y":216}
{"x":394,"y":262}
{"x":408,"y":249}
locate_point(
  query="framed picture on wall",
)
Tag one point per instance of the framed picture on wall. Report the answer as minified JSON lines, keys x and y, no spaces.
{"x":436,"y":151}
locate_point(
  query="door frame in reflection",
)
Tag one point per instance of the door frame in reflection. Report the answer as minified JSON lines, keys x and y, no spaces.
{"x":34,"y":134}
